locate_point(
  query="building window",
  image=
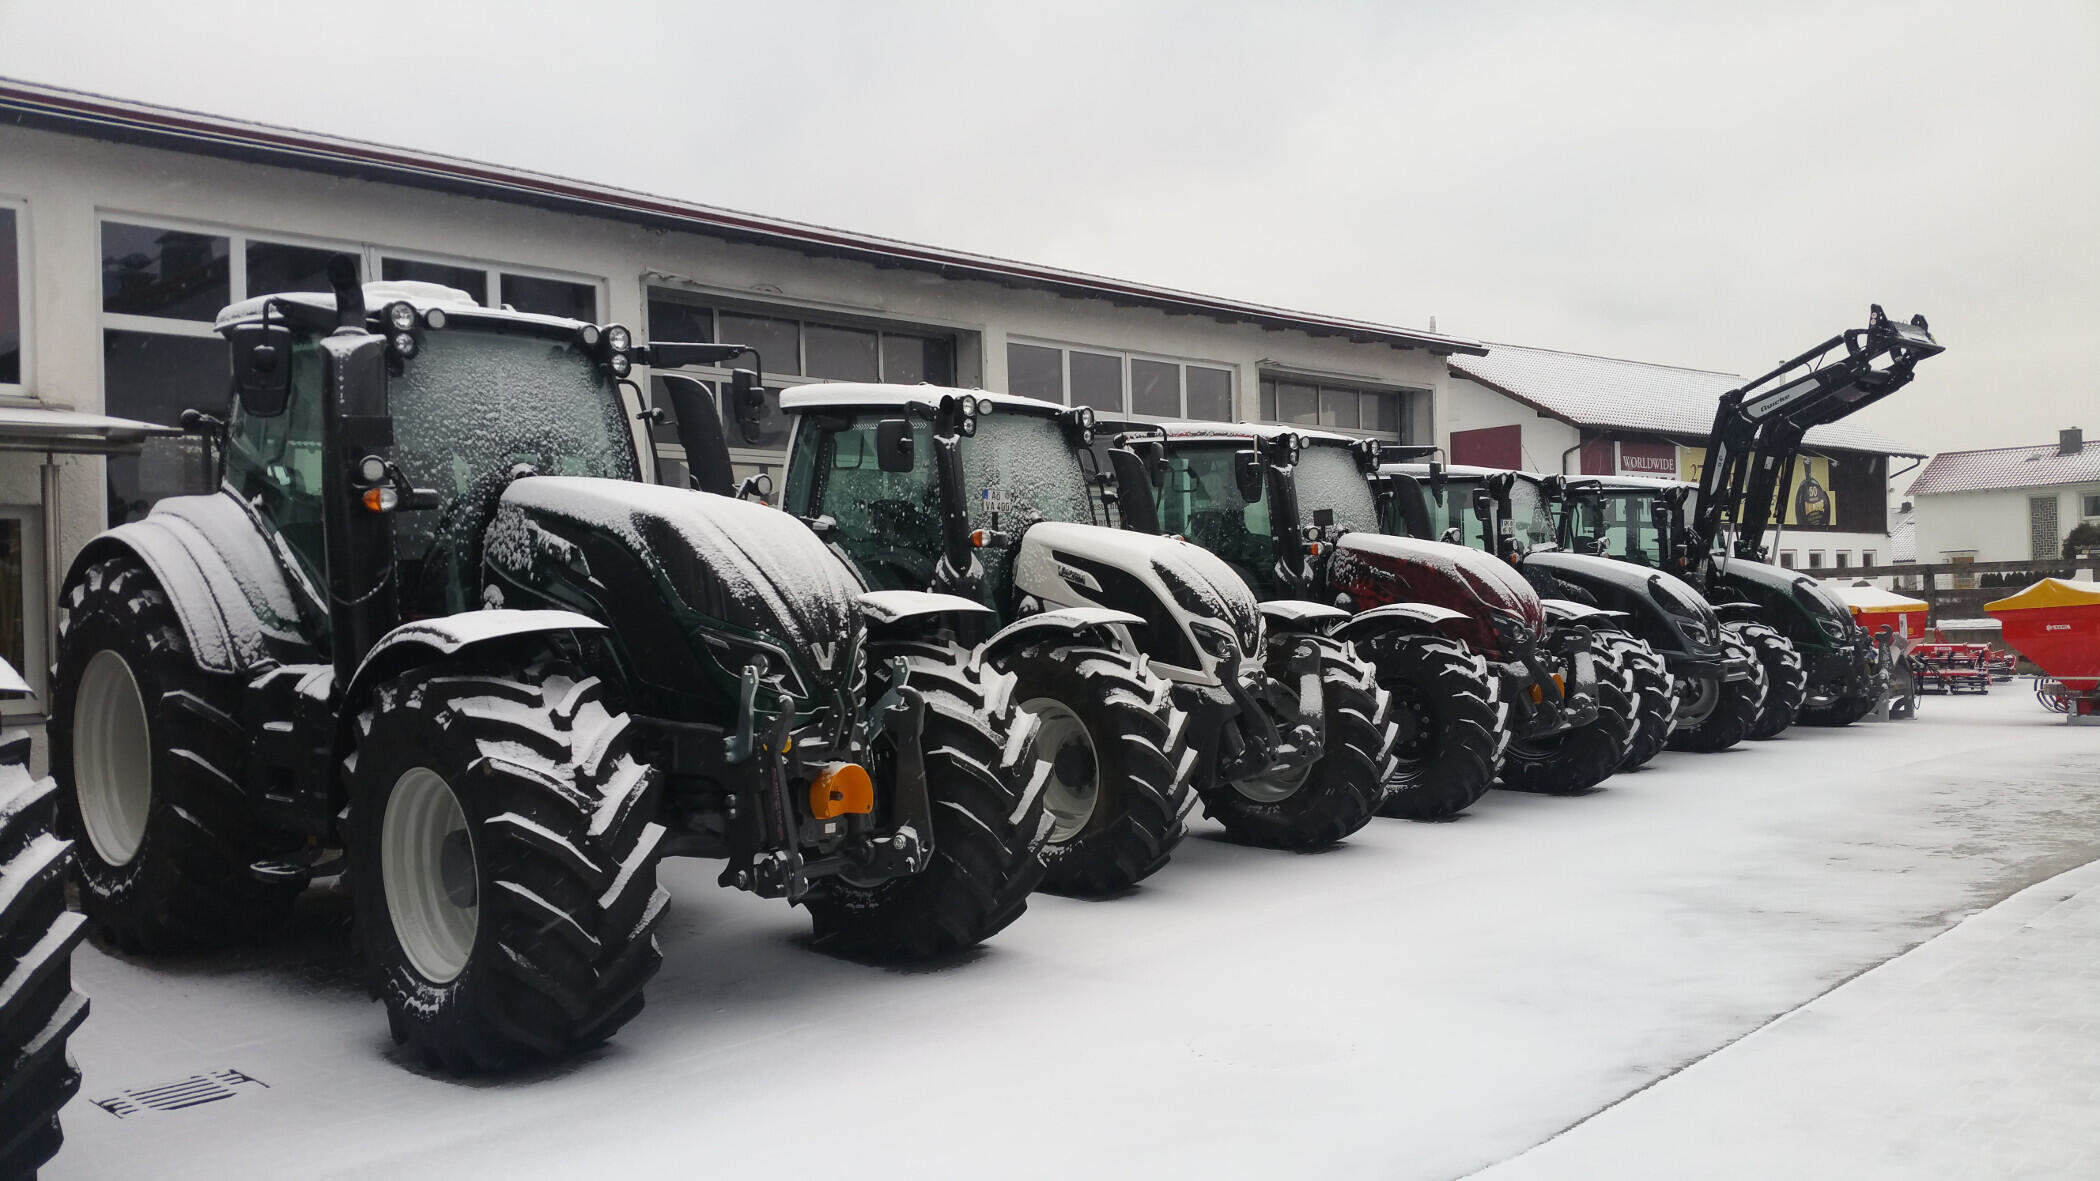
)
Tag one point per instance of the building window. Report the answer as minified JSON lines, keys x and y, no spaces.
{"x":2090,"y":501}
{"x":1786,"y":558}
{"x":1843,"y":559}
{"x":163,"y":285}
{"x":1119,"y":384}
{"x":1866,"y":559}
{"x":1815,"y":559}
{"x":22,"y":583}
{"x":14,"y":280}
{"x":1335,"y":406}
{"x":794,"y":349}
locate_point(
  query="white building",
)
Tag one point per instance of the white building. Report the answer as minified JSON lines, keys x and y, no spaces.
{"x":124,"y":227}
{"x":2006,"y":504}
{"x":1572,"y":413}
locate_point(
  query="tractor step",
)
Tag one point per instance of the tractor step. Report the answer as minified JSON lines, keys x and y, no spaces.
{"x":298,"y":872}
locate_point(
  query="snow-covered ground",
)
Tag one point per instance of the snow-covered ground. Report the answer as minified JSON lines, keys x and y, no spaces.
{"x":1425,"y":1001}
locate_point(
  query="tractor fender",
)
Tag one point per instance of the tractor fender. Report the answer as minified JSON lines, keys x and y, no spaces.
{"x":1404,"y":618}
{"x":425,"y":640}
{"x":1570,"y":611}
{"x":1066,"y":621}
{"x":1301,"y":616}
{"x":229,"y":590}
{"x":886,"y":607}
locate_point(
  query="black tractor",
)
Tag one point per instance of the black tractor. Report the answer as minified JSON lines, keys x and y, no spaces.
{"x":1150,"y":664}
{"x":1708,"y":688}
{"x":1461,"y":642}
{"x":434,"y":635}
{"x":38,"y":1008}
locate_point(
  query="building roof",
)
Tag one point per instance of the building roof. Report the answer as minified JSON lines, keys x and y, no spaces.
{"x":96,"y":116}
{"x":1611,"y":394}
{"x":2008,"y":467}
{"x":31,"y":428}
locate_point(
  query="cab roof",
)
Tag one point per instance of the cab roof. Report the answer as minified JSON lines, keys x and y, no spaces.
{"x":422,"y":296}
{"x":879,"y":395}
{"x":1463,"y":471}
{"x":1196,"y":432}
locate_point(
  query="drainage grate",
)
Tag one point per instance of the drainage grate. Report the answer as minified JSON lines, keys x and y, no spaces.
{"x":196,"y":1090}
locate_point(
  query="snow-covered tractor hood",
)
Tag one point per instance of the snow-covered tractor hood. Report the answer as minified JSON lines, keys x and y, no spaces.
{"x":737,"y":570}
{"x":1660,"y":607}
{"x":1183,"y":592}
{"x":1375,"y":569}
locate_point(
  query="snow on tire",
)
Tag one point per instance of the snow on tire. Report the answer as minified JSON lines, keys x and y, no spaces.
{"x":1654,"y":697}
{"x":988,"y":820}
{"x":38,"y":1008}
{"x":1452,"y":723}
{"x":1338,"y":793}
{"x":503,"y":849}
{"x":1113,"y":760}
{"x":1786,"y":677}
{"x":148,"y":750}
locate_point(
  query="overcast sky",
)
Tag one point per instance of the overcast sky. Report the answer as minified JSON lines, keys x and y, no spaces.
{"x":1716,"y":187}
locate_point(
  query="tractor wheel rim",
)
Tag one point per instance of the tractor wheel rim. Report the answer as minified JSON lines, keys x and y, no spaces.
{"x":1702,"y":702}
{"x":430,"y":875}
{"x":1276,"y":788}
{"x":1072,"y":789}
{"x":112,"y":758}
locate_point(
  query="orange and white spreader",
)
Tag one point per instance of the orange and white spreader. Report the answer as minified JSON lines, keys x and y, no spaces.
{"x":2056,"y":624}
{"x":1874,"y":608}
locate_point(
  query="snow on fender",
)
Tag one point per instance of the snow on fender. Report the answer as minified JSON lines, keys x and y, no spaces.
{"x":448,"y":634}
{"x":1065,"y":620}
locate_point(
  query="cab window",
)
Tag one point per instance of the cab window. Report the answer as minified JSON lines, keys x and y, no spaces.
{"x":1202,"y":502}
{"x":888,"y":522}
{"x":275,"y":463}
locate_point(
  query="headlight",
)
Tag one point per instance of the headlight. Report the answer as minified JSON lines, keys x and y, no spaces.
{"x":401,"y":317}
{"x":404,"y":344}
{"x":1832,"y":627}
{"x":588,"y":335}
{"x":621,"y":364}
{"x":618,"y":338}
{"x":1216,"y":640}
{"x":984,"y":405}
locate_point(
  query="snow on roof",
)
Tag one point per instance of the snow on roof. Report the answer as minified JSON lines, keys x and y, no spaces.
{"x":1244,"y":430}
{"x":870,"y":393}
{"x":75,"y":112}
{"x":33,"y":428}
{"x":422,"y":296}
{"x":1610,"y":393}
{"x":2007,"y":467}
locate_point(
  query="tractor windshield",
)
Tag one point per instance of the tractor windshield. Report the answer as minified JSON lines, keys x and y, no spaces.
{"x":1327,"y":477}
{"x":1455,"y":511}
{"x":1202,"y":502}
{"x":887,"y":522}
{"x":1623,"y":521}
{"x":1529,"y":514}
{"x":1023,"y":467}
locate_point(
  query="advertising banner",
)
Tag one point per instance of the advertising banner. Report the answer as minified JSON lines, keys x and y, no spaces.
{"x":1811,"y":504}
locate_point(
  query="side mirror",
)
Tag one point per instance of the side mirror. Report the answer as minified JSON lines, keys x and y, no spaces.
{"x":1323,"y":519}
{"x":895,"y":448}
{"x":747,"y":402}
{"x":1437,"y":480}
{"x":1247,"y":475}
{"x":262,"y":367}
{"x":700,"y":433}
{"x":1134,"y":498}
{"x":1483,"y":503}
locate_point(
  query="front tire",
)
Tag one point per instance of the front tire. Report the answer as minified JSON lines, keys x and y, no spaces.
{"x":503,"y":848}
{"x":1653,"y":697}
{"x":1577,"y":760}
{"x":988,"y":821}
{"x":1113,"y":758}
{"x":1340,"y":791}
{"x":1734,"y":708}
{"x":38,"y":1008}
{"x":1786,"y":678}
{"x":148,"y":750}
{"x":1451,"y":723}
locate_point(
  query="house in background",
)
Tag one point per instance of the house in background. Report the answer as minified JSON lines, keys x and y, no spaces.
{"x":2006,"y":504}
{"x":1551,"y":411}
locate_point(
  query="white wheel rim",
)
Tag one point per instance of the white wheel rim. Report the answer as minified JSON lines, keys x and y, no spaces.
{"x":1073,"y":788}
{"x":112,"y":758}
{"x":435,"y":913}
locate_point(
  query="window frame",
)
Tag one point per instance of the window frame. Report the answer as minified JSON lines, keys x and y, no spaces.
{"x":715,"y":301}
{"x":1357,"y":385}
{"x":18,"y":392}
{"x":2088,"y":502}
{"x":36,"y":605}
{"x":1127,"y":413}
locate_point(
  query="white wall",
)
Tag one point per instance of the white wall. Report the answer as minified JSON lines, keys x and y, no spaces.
{"x":1993,"y":524}
{"x":1467,"y":405}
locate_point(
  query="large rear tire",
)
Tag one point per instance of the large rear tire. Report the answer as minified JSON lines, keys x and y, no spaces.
{"x":1113,"y":758}
{"x":503,"y":848}
{"x":1451,"y":722}
{"x":1653,"y":698}
{"x":1338,"y":793}
{"x":38,"y":1008}
{"x":1786,"y":678}
{"x":989,"y":822}
{"x":1577,"y":760}
{"x":148,"y":750}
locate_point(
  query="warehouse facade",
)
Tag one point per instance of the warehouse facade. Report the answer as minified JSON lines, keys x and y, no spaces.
{"x":125,"y":227}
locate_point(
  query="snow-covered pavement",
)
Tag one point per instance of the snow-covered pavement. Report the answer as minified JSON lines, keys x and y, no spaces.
{"x":1425,"y":1001}
{"x":1974,"y":1055}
